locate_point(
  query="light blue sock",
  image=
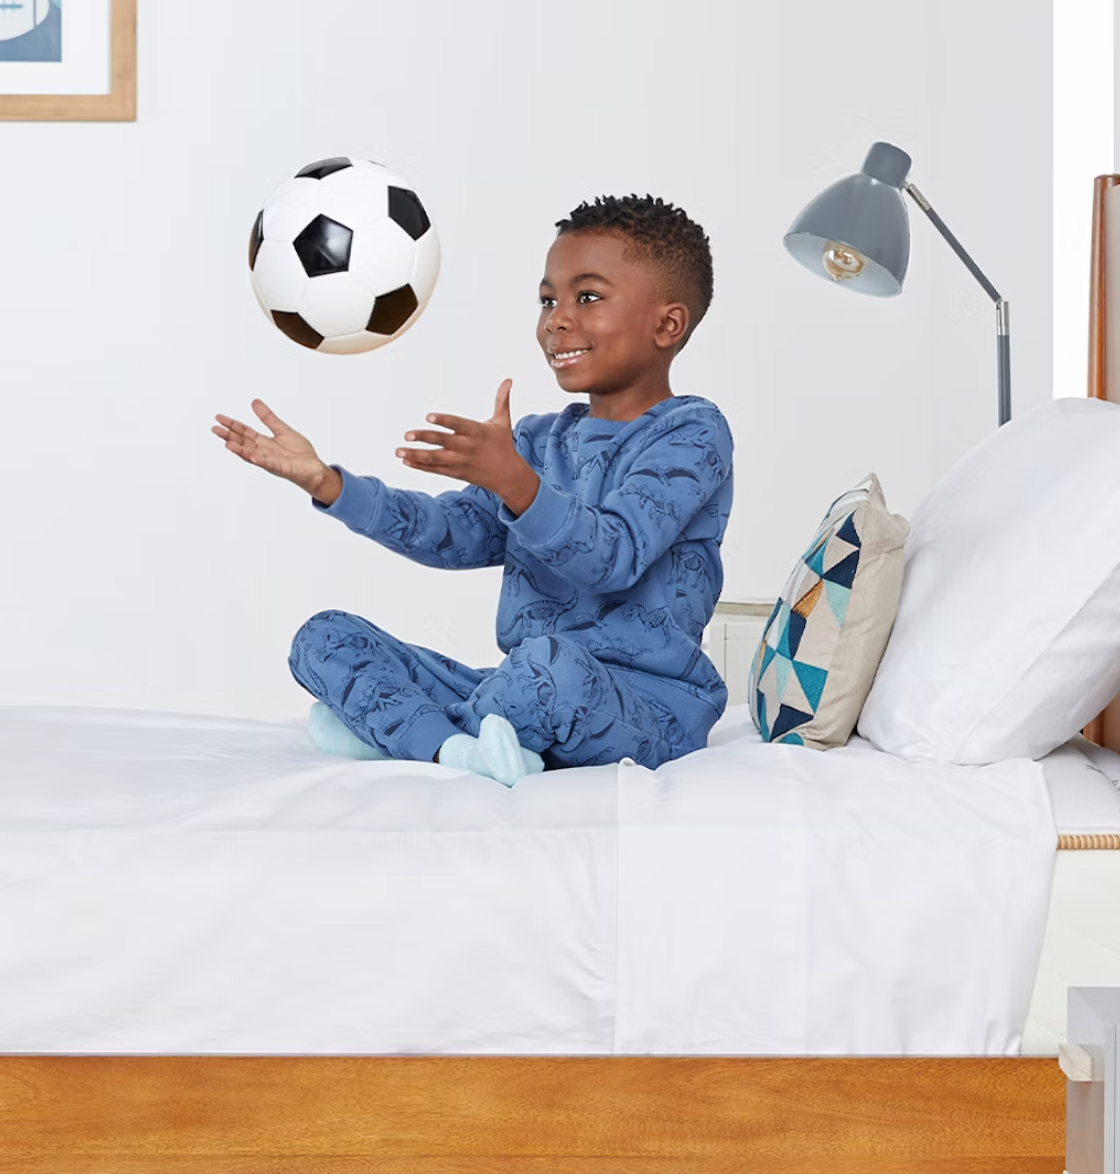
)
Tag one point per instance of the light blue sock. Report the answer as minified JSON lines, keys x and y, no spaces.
{"x":331,"y":735}
{"x":495,"y":753}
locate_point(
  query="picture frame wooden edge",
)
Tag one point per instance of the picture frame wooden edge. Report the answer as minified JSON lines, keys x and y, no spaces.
{"x":119,"y":105}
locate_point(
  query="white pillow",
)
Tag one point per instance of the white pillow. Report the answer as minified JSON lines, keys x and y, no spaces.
{"x":1007,"y":638}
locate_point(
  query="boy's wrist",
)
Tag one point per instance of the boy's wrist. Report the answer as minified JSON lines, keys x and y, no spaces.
{"x":328,"y":486}
{"x":522,"y":488}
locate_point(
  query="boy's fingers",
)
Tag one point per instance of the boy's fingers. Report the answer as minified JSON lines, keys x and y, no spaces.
{"x":438,"y":470}
{"x":444,"y":439}
{"x":457,"y":423}
{"x":268,"y":417}
{"x":422,"y":456}
{"x":239,"y":428}
{"x":249,"y":452}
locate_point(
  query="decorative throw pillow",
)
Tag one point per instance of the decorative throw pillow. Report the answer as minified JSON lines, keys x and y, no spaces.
{"x":824,"y":640}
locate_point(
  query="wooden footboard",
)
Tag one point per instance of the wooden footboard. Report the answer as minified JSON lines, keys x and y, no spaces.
{"x":545,"y":1115}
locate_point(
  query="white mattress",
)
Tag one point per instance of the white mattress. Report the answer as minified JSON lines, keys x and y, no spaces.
{"x":1082,"y":942}
{"x":175,"y":884}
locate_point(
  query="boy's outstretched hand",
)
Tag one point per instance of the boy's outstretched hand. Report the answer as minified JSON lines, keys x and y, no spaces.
{"x":481,"y":452}
{"x":285,"y":454}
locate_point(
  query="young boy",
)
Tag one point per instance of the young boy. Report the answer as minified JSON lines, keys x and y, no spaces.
{"x":607,"y":517}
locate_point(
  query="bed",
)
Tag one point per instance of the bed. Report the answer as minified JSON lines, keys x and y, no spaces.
{"x":181,"y":885}
{"x":185,"y":939}
{"x":522,"y":982}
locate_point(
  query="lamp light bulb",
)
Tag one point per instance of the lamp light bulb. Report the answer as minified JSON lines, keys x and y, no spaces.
{"x":842,"y":263}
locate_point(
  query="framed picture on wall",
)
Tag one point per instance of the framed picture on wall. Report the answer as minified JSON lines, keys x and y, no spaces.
{"x":67,"y":60}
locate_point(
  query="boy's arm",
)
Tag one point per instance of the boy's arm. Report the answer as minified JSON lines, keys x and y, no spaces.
{"x":608,"y":548}
{"x":457,"y":529}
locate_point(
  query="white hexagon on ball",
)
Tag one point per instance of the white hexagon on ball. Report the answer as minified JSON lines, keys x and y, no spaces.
{"x":335,"y":305}
{"x":355,"y":198}
{"x":279,"y":277}
{"x":289,"y":210}
{"x":425,"y":267}
{"x":382,"y":257}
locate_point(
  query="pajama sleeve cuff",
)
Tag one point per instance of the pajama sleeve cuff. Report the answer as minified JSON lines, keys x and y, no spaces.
{"x":544,"y":519}
{"x":357,"y":505}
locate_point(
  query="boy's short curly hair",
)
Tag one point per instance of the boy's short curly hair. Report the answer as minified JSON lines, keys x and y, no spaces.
{"x":660,"y":236}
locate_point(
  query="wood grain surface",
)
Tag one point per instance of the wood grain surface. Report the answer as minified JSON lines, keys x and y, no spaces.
{"x":1103,"y":730}
{"x":417,"y":1115}
{"x":501,"y":1165}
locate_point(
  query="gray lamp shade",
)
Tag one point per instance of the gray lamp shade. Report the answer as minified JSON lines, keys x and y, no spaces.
{"x":856,"y":233}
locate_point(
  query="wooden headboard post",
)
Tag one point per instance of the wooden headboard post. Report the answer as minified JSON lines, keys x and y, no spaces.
{"x":1104,"y":730}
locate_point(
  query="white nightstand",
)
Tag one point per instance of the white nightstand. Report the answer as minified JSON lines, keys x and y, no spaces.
{"x":731,"y":640}
{"x":1089,"y":1060}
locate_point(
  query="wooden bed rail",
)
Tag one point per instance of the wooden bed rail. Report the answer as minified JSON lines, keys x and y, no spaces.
{"x":530,"y":1115}
{"x":1104,"y":363}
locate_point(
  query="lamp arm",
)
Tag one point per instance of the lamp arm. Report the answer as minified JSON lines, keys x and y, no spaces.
{"x":1003,"y":309}
{"x":955,"y":244}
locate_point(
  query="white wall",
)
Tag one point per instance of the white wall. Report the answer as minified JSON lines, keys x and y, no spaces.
{"x":1084,"y":125}
{"x":144,"y":566}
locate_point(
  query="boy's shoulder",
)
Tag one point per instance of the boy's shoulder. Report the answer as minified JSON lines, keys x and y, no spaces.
{"x":689,"y":420}
{"x":677,"y":410}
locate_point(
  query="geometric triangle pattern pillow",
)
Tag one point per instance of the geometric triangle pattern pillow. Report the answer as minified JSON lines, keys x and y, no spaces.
{"x":823,"y":642}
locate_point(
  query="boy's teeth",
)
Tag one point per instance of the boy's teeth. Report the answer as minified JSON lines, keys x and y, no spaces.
{"x":569,"y":354}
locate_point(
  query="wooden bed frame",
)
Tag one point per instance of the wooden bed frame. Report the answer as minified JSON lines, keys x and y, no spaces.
{"x":550,"y":1115}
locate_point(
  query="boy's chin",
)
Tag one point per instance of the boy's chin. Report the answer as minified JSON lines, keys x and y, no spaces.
{"x":571,"y":380}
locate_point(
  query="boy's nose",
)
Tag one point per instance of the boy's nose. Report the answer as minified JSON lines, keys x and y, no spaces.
{"x":558,"y":319}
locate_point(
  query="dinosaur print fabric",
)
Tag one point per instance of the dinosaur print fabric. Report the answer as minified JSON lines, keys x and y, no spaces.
{"x":610,"y":577}
{"x":406,"y":699}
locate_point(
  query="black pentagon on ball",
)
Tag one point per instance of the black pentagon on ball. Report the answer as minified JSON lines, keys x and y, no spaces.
{"x":324,"y":247}
{"x":324,"y":167}
{"x":405,"y":208}
{"x":297,"y":329}
{"x":256,"y":237}
{"x":392,"y":310}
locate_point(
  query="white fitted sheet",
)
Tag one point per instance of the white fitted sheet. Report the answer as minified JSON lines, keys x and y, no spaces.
{"x":1084,"y":785}
{"x":174,"y":884}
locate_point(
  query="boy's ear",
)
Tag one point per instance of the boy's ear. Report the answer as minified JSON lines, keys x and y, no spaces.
{"x":673,"y":327}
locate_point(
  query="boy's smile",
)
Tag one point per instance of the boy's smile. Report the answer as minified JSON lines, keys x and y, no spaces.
{"x":562,"y":359}
{"x":604,"y":328}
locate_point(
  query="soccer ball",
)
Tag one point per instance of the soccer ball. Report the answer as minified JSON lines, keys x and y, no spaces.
{"x":343,"y":256}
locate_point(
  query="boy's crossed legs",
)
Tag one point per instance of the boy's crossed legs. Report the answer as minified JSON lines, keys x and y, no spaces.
{"x":406,"y":701}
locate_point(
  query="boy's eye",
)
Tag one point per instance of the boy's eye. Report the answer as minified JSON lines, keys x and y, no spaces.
{"x":547,"y":303}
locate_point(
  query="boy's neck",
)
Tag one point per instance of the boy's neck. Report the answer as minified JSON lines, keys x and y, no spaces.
{"x":625,"y":405}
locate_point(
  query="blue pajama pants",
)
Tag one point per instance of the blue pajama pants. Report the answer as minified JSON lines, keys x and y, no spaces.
{"x":406,"y":700}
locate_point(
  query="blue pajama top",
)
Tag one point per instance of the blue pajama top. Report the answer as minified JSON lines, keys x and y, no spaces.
{"x":619,"y":550}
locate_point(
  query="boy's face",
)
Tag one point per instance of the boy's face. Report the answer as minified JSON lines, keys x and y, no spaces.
{"x":596,"y":303}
